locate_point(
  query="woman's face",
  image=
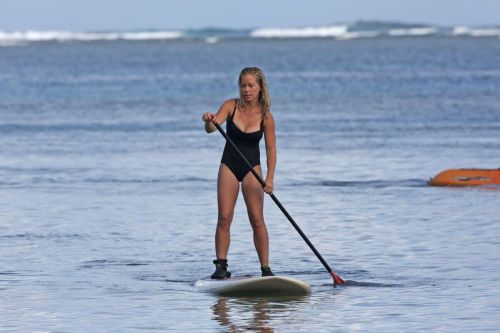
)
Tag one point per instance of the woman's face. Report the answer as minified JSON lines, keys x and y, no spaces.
{"x":250,"y":88}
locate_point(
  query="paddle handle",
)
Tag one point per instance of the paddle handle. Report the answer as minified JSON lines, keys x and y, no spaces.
{"x":336,"y":278}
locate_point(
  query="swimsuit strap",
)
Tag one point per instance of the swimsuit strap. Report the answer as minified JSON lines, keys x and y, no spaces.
{"x":234,"y":110}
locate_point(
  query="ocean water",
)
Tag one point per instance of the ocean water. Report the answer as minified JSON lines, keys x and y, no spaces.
{"x":108,"y":184}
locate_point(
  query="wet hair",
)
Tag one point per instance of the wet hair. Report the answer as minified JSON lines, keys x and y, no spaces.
{"x":264,"y":99}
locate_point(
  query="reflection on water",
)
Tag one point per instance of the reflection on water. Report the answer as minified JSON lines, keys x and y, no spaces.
{"x":257,"y":314}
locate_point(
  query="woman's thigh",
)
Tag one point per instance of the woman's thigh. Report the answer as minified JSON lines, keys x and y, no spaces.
{"x":227,"y":191}
{"x":253,"y":195}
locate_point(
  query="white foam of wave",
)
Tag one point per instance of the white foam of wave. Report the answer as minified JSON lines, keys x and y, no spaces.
{"x":65,"y":36}
{"x":152,"y":35}
{"x":211,"y":40}
{"x":423,"y":31}
{"x":475,"y":32}
{"x":359,"y":34}
{"x":307,"y":32}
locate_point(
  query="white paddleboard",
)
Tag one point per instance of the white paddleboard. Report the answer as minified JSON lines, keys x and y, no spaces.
{"x":255,"y":286}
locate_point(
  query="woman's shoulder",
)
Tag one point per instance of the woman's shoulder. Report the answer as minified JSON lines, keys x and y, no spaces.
{"x":228,"y":106}
{"x":268,"y":116}
{"x":229,"y":103}
{"x":268,"y":120}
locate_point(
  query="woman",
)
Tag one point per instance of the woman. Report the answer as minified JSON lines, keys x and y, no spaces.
{"x":248,"y":119}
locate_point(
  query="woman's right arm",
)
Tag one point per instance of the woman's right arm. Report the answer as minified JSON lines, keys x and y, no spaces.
{"x":220,"y":117}
{"x":207,"y":118}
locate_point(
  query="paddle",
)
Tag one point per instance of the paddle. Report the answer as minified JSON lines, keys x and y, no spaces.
{"x":336,"y":279}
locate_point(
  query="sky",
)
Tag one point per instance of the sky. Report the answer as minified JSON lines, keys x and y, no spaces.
{"x":98,"y":15}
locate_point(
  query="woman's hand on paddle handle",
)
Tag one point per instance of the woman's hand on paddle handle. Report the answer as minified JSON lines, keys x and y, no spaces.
{"x":269,"y":185}
{"x":209,"y":119}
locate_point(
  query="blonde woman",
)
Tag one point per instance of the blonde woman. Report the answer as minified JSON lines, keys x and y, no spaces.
{"x":248,"y":120}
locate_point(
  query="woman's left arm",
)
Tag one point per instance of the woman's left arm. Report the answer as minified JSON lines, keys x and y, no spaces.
{"x":270,"y":140}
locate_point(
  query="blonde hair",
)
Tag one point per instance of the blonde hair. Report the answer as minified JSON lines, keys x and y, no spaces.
{"x":264,"y":99}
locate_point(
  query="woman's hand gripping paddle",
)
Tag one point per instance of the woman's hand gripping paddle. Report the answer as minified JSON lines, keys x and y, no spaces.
{"x":336,"y":279}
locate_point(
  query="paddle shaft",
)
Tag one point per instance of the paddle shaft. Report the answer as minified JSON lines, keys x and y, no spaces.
{"x":336,"y":278}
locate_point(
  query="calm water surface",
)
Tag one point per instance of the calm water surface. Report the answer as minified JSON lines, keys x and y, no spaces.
{"x":108,"y":184}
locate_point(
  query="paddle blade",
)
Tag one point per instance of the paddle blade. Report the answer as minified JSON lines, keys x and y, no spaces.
{"x":337,"y":279}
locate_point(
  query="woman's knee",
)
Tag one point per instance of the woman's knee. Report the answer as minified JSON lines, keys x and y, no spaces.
{"x":257,"y":221}
{"x":224,"y":221}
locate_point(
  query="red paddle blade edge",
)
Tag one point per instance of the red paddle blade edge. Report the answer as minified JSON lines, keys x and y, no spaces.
{"x":337,"y":279}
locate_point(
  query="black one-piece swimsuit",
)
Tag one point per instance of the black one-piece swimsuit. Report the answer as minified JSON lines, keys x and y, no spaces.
{"x":247,"y":143}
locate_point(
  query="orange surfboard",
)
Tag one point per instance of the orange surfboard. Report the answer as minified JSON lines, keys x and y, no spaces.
{"x":466,"y":177}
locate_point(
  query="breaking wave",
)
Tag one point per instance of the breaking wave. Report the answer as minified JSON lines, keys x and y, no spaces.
{"x":307,"y":32}
{"x":359,"y":29}
{"x":30,"y":36}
